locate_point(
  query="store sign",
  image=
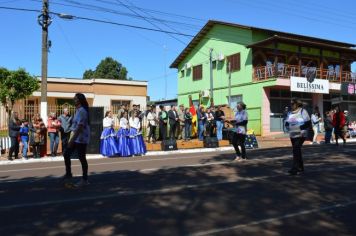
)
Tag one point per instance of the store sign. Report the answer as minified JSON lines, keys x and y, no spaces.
{"x":348,"y":89}
{"x":301,"y":84}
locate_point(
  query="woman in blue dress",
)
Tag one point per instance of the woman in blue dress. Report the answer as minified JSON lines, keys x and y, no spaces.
{"x":108,"y":146}
{"x":136,"y":143}
{"x":122,"y":136}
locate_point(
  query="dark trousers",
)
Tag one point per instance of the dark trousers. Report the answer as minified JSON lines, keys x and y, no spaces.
{"x":172,"y":130}
{"x":339,"y":133}
{"x":297,"y":144}
{"x":14,"y":149}
{"x":77,"y":151}
{"x":152,"y":133}
{"x":163,"y":130}
{"x":64,"y":139}
{"x":36,"y":150}
{"x":187,"y":130}
{"x":328,"y":134}
{"x":239,"y":140}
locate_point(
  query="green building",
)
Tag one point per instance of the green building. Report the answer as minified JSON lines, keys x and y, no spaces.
{"x":264,"y":69}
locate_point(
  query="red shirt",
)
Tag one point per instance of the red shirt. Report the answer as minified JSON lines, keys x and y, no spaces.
{"x":341,"y":118}
{"x":53,"y":125}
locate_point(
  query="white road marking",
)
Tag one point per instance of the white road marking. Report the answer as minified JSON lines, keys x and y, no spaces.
{"x":269,"y":220}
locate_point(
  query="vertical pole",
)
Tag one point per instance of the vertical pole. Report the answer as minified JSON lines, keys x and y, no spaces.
{"x":45,"y":23}
{"x":229,"y":66}
{"x":165,"y":72}
{"x":211,"y":74}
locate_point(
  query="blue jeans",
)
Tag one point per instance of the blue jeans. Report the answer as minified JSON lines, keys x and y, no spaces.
{"x":187,"y":130}
{"x":201,"y":131}
{"x":54,"y":141}
{"x":24,"y":141}
{"x":328,"y":136}
{"x":219,"y":128}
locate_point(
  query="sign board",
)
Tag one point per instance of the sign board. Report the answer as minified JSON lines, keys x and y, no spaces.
{"x":336,"y":100}
{"x":301,"y":84}
{"x":348,"y":89}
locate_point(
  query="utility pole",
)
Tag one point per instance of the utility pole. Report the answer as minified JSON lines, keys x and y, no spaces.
{"x":229,"y":66}
{"x":165,"y":71}
{"x":211,"y":77}
{"x":44,"y":20}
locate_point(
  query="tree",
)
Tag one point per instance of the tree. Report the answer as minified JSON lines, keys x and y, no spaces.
{"x":15,"y":85}
{"x":107,"y":69}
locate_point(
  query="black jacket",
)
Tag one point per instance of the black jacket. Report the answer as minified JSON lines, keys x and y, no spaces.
{"x":14,"y":128}
{"x":172,"y":115}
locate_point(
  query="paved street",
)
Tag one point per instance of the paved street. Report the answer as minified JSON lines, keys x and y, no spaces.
{"x":186,"y":194}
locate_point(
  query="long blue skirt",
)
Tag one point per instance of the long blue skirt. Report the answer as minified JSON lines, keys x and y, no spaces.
{"x":122,"y":143}
{"x":108,"y":146}
{"x":136,"y":144}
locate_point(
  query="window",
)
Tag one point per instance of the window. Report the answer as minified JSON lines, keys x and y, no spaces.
{"x":181,"y":73}
{"x":234,"y":61}
{"x":197,"y":72}
{"x":234,"y":100}
{"x":116,"y":104}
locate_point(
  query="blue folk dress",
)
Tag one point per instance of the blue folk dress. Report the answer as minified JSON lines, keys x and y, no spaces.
{"x":123,"y":139}
{"x":136,"y":143}
{"x":108,"y":145}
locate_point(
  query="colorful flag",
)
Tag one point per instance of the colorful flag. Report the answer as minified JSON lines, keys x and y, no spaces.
{"x":194,"y":120}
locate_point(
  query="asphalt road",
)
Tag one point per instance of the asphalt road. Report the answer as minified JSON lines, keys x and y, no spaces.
{"x":186,"y":194}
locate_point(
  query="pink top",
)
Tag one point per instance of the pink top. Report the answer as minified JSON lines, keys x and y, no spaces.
{"x":53,"y":125}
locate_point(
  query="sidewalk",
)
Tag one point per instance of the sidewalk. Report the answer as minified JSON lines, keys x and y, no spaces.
{"x":263,"y":142}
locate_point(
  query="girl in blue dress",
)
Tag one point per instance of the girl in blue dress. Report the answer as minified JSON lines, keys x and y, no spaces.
{"x":122,"y":136}
{"x":136,"y":143}
{"x":108,"y":146}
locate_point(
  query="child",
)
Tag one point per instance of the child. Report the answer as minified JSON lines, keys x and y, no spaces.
{"x":24,"y":137}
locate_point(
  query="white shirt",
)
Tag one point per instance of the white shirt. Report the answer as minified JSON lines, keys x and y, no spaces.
{"x":123,"y":123}
{"x":239,"y":117}
{"x":135,"y":122}
{"x":151,"y":117}
{"x":108,"y":122}
{"x":295,"y":120}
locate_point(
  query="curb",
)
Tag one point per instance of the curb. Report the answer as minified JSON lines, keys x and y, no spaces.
{"x":98,"y":156}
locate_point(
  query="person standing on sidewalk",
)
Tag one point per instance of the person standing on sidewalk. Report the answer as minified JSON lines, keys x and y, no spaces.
{"x":79,"y":139}
{"x":297,"y":123}
{"x":14,"y":133}
{"x":328,"y":126}
{"x":66,"y":122}
{"x":239,"y":137}
{"x":315,"y":118}
{"x":339,"y":123}
{"x":24,"y":130}
{"x":220,"y":118}
{"x":53,"y":125}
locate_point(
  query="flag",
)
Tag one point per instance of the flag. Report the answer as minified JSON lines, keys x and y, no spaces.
{"x":194,"y":120}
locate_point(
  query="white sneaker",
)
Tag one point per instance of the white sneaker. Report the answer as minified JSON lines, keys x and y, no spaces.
{"x":238,"y":158}
{"x":82,"y":183}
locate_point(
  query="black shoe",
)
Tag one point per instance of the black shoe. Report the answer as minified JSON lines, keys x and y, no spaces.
{"x":10,"y":159}
{"x":293,"y":172}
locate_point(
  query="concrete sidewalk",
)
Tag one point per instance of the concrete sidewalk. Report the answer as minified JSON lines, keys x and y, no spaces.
{"x":263,"y":142}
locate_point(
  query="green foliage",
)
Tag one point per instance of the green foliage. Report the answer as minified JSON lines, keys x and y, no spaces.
{"x":107,"y":69}
{"x":15,"y":85}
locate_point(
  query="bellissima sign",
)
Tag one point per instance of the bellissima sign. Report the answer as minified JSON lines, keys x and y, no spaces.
{"x":348,"y":89}
{"x":301,"y":84}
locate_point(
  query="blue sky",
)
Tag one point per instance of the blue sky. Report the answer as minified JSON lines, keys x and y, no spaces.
{"x":78,"y":45}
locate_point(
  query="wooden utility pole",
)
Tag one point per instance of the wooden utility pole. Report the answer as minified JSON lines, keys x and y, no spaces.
{"x":211,"y":77}
{"x":44,"y":20}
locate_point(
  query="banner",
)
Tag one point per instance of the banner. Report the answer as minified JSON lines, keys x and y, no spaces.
{"x":301,"y":84}
{"x":348,"y":89}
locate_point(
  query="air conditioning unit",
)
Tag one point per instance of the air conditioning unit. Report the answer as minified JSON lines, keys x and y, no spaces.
{"x":221,"y":57}
{"x":187,"y":66}
{"x":205,"y":93}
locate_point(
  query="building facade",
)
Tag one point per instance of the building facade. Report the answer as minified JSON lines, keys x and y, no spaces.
{"x":99,"y":92}
{"x":262,"y":68}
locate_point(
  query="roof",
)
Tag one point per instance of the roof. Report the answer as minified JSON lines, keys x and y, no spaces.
{"x":209,"y":25}
{"x":277,"y":38}
{"x":94,"y":81}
